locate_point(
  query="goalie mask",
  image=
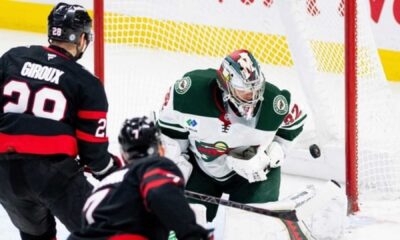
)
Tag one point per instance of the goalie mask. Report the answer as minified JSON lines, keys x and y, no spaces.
{"x":242,"y":82}
{"x":139,"y":138}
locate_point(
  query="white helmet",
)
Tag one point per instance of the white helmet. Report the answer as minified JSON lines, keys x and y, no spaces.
{"x":242,"y":81}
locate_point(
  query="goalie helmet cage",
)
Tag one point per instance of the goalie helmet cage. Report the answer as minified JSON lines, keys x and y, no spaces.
{"x":322,"y":51}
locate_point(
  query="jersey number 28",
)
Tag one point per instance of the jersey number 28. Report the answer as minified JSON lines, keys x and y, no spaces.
{"x":41,"y":98}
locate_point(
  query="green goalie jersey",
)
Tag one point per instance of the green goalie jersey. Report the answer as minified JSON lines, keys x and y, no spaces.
{"x":195,"y":115}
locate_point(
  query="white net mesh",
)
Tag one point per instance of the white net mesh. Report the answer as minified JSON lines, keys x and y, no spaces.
{"x":378,"y":131}
{"x":300,"y":43}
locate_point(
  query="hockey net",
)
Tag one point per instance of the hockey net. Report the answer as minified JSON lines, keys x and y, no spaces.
{"x":300,"y":44}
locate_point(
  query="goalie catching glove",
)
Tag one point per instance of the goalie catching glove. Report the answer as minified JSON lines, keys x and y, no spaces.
{"x":256,"y":168}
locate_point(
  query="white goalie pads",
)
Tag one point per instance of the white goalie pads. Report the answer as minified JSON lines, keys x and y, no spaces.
{"x":200,"y":212}
{"x":325,"y":216}
{"x":321,"y":211}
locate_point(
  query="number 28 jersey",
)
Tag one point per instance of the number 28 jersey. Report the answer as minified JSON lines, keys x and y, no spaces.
{"x":51,"y":105}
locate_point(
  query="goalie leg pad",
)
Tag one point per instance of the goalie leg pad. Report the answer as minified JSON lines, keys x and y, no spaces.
{"x":200,"y":212}
{"x":321,"y":210}
{"x":324,"y":216}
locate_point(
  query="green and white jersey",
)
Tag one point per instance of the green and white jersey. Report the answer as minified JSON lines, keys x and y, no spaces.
{"x":194,"y":114}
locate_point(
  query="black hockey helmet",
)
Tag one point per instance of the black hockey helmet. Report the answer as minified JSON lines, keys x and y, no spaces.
{"x":139,"y":137}
{"x":67,"y":22}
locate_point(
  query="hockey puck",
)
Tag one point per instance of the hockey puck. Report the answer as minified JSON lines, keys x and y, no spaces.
{"x":315,"y":151}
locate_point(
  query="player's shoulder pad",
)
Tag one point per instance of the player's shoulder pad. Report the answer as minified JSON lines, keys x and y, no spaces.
{"x":86,"y":74}
{"x":274,"y":108}
{"x":280,"y":98}
{"x":193,"y":92}
{"x":192,"y":82}
{"x":22,"y":50}
{"x":156,"y":162}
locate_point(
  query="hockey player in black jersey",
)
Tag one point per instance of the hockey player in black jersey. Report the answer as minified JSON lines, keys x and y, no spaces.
{"x":51,"y":111}
{"x":143,"y":200}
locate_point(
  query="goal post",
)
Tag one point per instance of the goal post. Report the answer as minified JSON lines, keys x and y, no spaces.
{"x":98,"y":15}
{"x":351,"y":103}
{"x":322,"y":51}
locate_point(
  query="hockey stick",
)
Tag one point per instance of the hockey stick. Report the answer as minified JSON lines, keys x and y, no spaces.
{"x":283,"y":214}
{"x":292,"y":202}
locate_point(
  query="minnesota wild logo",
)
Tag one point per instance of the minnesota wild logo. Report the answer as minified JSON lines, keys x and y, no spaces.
{"x":210,"y":151}
{"x":183,"y":85}
{"x":280,"y":105}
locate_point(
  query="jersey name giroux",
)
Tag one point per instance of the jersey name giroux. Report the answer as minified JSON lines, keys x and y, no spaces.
{"x":45,"y":73}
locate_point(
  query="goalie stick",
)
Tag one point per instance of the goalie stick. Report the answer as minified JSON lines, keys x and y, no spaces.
{"x":291,"y":202}
{"x":282,"y":214}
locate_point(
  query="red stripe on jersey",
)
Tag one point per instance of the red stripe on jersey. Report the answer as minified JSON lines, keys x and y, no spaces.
{"x":46,"y":145}
{"x":127,"y":237}
{"x":167,"y":177}
{"x":92,"y":114}
{"x":89,"y":137}
{"x":155,"y":184}
{"x":157,"y":171}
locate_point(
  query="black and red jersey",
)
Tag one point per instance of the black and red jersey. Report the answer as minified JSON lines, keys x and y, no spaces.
{"x":51,"y":105}
{"x":143,"y":200}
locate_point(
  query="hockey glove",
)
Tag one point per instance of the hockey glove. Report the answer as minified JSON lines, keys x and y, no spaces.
{"x":114,"y":164}
{"x":276,"y":154}
{"x":254,"y":169}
